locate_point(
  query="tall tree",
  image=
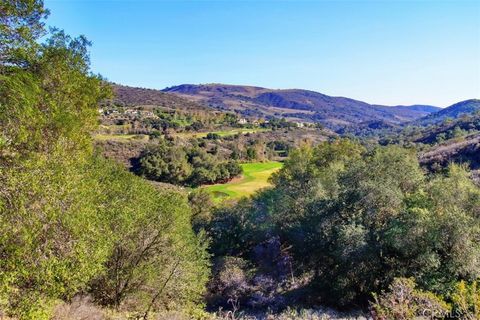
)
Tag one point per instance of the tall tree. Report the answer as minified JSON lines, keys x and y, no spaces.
{"x":21,"y":25}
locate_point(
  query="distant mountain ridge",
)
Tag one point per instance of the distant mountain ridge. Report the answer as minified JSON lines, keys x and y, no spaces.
{"x":420,"y":107}
{"x":336,"y":113}
{"x":297,"y":104}
{"x":454,"y":111}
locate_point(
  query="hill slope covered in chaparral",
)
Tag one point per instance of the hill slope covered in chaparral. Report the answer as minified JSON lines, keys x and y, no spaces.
{"x":135,"y":96}
{"x":454,"y":111}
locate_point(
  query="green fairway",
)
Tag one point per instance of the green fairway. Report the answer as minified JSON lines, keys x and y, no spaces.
{"x":224,"y":133}
{"x":255,"y":176}
{"x":120,"y":137}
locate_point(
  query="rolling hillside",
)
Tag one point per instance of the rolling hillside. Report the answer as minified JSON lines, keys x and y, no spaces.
{"x":465,"y":150}
{"x":296,"y":104}
{"x":454,"y":111}
{"x":448,"y":129}
{"x":134,"y":96}
{"x":337,"y":113}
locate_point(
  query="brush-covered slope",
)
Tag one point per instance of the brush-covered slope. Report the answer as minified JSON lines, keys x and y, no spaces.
{"x":296,"y":104}
{"x":133,"y":96}
{"x":466,"y":150}
{"x":467,"y":107}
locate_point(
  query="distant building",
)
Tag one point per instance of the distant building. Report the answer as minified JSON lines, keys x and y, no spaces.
{"x":242,"y":121}
{"x":131,"y":112}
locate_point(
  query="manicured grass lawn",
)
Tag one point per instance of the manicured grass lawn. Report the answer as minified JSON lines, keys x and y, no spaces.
{"x":121,"y":137}
{"x":114,"y":127}
{"x":224,"y":133}
{"x":255,"y":176}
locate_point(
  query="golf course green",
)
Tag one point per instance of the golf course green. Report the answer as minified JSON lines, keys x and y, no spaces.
{"x":255,"y":176}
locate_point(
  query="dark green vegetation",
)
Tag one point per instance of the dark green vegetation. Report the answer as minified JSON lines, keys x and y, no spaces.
{"x":342,"y":222}
{"x":446,"y":140}
{"x":185,"y":166}
{"x":70,"y":221}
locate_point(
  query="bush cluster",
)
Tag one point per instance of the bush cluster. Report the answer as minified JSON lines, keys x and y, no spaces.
{"x":190,"y":166}
{"x":351,"y":220}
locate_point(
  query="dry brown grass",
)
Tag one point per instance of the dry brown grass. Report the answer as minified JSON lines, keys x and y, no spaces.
{"x":80,"y":308}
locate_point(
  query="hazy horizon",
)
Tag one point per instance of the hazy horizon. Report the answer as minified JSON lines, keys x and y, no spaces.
{"x":388,"y":53}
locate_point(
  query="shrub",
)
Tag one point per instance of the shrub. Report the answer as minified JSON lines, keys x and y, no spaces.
{"x":81,"y":307}
{"x":51,"y":236}
{"x":230,"y":281}
{"x":213,"y":136}
{"x":404,"y":302}
{"x":58,"y":214}
{"x":157,"y":262}
{"x":466,"y":300}
{"x":201,"y":204}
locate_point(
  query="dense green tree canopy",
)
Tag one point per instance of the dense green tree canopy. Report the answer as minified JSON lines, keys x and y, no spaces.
{"x":353,"y":220}
{"x":191,"y":166}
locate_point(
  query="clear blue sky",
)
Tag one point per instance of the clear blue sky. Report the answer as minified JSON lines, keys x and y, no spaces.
{"x":385,"y":52}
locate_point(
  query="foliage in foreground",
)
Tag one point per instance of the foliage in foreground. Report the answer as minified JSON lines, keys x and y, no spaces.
{"x":70,"y":220}
{"x":348,"y":221}
{"x":404,"y":301}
